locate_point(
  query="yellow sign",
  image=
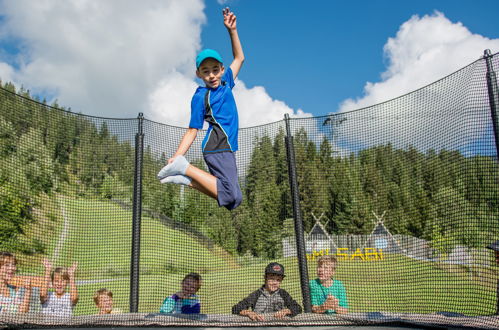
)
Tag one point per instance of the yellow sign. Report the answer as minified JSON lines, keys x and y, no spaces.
{"x":367,"y":254}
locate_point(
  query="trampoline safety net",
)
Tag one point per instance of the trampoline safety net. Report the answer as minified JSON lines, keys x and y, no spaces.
{"x":403,"y":194}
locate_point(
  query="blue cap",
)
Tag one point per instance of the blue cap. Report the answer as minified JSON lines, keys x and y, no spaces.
{"x":207,"y":53}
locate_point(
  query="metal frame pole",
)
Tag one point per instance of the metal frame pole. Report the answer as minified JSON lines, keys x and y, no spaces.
{"x":136,"y":217}
{"x":493,"y":89}
{"x":299,"y":234}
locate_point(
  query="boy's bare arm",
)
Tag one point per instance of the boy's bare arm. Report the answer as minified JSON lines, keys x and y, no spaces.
{"x":18,"y":280}
{"x":186,"y":142}
{"x":24,"y":307}
{"x":237,"y":49}
{"x":73,"y":290}
{"x":45,"y":285}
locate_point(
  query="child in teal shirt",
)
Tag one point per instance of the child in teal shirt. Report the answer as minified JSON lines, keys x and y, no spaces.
{"x":327,"y":294}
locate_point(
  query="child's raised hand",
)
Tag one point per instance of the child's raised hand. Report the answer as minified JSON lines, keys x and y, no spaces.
{"x":229,"y":19}
{"x":46,"y":263}
{"x":27,"y":283}
{"x":72,"y":269}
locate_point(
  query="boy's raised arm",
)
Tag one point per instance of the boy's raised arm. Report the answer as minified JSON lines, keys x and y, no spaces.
{"x":237,"y":49}
{"x":73,"y":290}
{"x":45,"y":284}
{"x":185,"y":143}
{"x":24,"y":307}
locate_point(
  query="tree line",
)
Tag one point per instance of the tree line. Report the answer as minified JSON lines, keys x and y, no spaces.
{"x":441,"y":196}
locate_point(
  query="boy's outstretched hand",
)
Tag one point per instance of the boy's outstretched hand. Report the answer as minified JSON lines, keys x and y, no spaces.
{"x":72,"y":269}
{"x":229,"y":19}
{"x":47,"y":264}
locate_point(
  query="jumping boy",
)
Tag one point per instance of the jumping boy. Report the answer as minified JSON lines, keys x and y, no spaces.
{"x":270,"y":298}
{"x":215,"y":104}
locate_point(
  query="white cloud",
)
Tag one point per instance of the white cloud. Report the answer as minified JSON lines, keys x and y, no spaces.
{"x":6,"y":72}
{"x":424,"y":50}
{"x":117,"y":58}
{"x":102,"y":57}
{"x":256,"y":107}
{"x":170,"y":101}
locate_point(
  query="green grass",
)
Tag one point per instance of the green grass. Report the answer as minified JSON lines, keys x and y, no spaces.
{"x":100,"y":240}
{"x":396,"y":284}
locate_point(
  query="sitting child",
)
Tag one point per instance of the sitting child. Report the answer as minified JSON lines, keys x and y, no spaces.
{"x":327,"y":294}
{"x":12,"y":298}
{"x":59,"y":302}
{"x":269,"y":298}
{"x":185,"y":301}
{"x":103,"y":299}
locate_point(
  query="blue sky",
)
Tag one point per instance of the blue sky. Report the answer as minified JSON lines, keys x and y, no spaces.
{"x":116,"y":58}
{"x":316,"y":54}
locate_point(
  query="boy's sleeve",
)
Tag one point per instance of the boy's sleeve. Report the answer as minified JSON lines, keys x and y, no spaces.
{"x":228,"y":77}
{"x":168,"y":305}
{"x":247,"y":303}
{"x":314,"y":297}
{"x":290,"y":303}
{"x":197,"y":111}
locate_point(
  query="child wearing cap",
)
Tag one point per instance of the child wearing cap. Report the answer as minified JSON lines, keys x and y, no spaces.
{"x":327,"y":294}
{"x":214,"y":103}
{"x":270,"y":298}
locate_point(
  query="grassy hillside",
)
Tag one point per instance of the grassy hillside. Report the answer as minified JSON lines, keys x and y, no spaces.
{"x":98,"y":236}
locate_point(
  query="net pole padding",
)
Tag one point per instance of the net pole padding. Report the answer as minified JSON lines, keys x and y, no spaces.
{"x":299,"y":233}
{"x":493,"y":90}
{"x":136,"y":216}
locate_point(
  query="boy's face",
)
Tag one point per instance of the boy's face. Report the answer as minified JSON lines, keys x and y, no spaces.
{"x":8,"y":269}
{"x":105,"y":304}
{"x":211,"y":72}
{"x":325,"y":271}
{"x":190,"y":286}
{"x":272,"y":282}
{"x":59,"y":284}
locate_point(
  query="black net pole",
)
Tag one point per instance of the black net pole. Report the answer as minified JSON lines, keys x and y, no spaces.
{"x":493,"y":89}
{"x":137,"y":215}
{"x":300,"y":238}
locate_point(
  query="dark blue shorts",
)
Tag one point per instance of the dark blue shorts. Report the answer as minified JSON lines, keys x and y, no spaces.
{"x":222,"y":165}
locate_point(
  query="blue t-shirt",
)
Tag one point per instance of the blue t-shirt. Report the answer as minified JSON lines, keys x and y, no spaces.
{"x":319,"y":293}
{"x":174,"y":304}
{"x":220,"y":112}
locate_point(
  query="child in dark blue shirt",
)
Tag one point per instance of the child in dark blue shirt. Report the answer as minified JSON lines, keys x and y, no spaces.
{"x":185,"y":301}
{"x":215,"y":104}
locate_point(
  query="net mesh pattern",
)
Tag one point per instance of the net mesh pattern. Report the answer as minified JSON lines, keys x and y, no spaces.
{"x":404,"y":194}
